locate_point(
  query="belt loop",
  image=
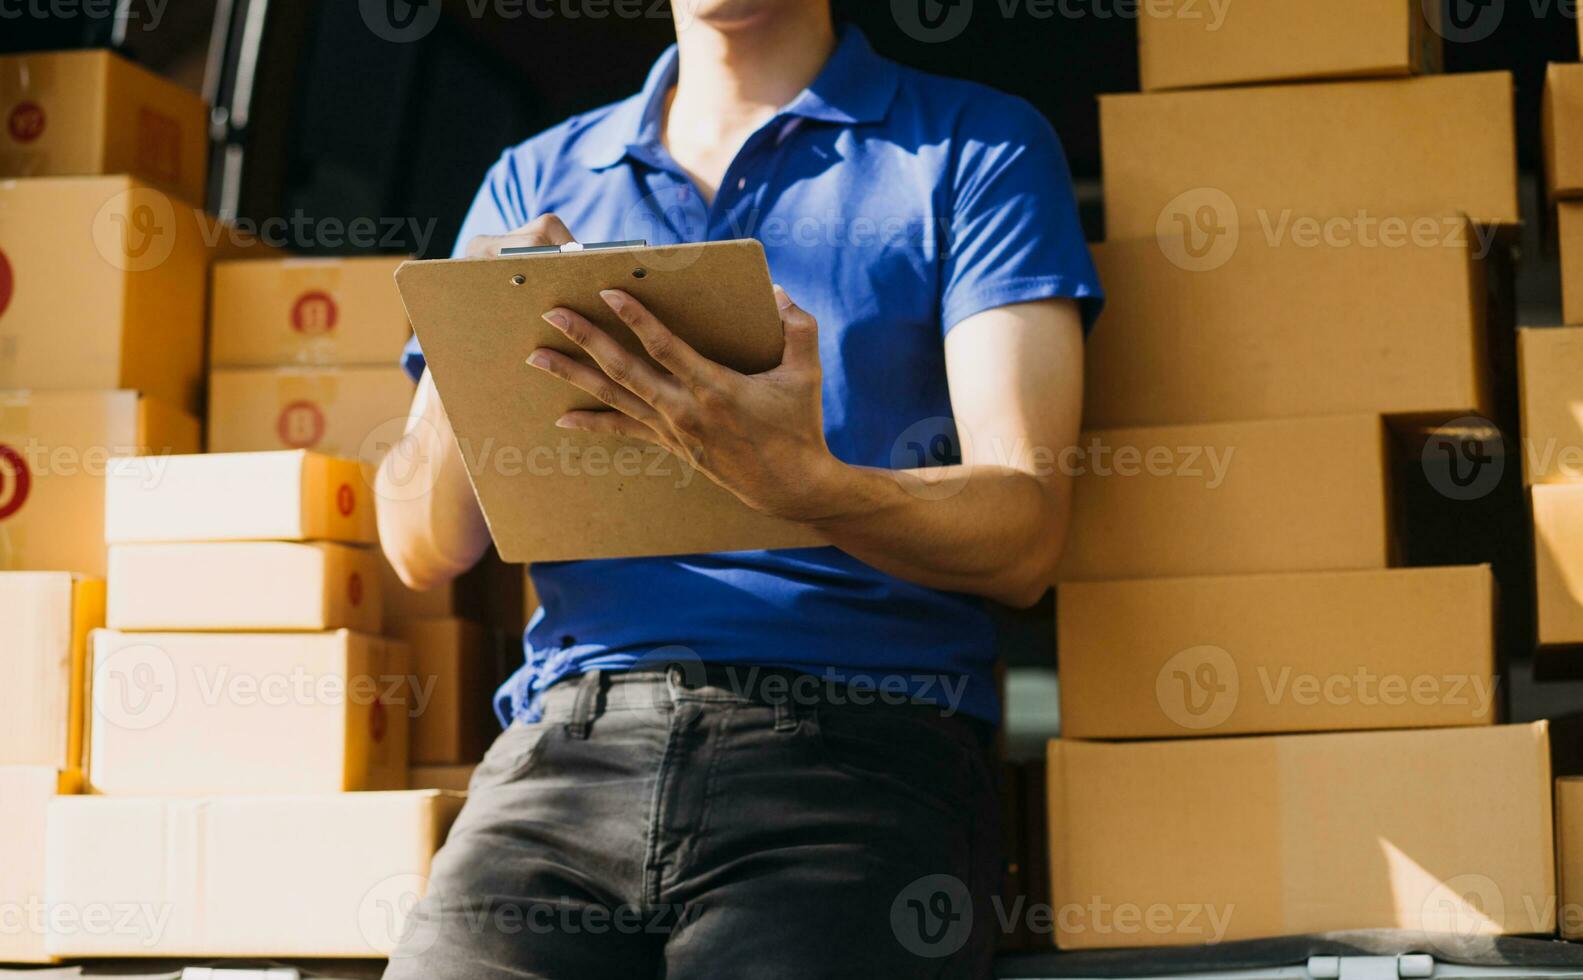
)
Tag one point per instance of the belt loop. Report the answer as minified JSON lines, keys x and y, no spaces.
{"x":786,"y":713}
{"x":586,"y":705}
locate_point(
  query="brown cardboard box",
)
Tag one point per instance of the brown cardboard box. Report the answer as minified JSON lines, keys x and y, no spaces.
{"x":1189,"y":43}
{"x":456,"y":722}
{"x":1550,"y":379}
{"x":1303,"y":652}
{"x":1283,"y":330}
{"x":358,"y":412}
{"x":1569,"y":223}
{"x":244,"y":586}
{"x":1563,"y":130}
{"x":78,"y":113}
{"x":180,"y":713}
{"x":102,"y":284}
{"x":25,"y":793}
{"x":282,"y":496}
{"x":1231,"y":498}
{"x":260,"y":876}
{"x":55,"y":450}
{"x":343,"y":311}
{"x":47,"y":617}
{"x":1569,"y":855}
{"x":1558,"y":560}
{"x":453,"y":778}
{"x":490,"y":593}
{"x":1201,"y":165}
{"x":1221,"y":839}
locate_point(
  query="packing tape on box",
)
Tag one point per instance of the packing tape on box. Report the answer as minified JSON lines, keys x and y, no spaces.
{"x":22,"y":116}
{"x":316,"y":311}
{"x":304,"y":398}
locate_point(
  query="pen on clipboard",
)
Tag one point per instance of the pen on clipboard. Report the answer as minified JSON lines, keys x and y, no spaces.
{"x":570,"y":247}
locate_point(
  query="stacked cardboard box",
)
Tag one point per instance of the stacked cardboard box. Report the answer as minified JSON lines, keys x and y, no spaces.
{"x":1551,"y":381}
{"x":1293,"y":277}
{"x":1563,"y":137}
{"x":238,"y":695}
{"x":104,"y":256}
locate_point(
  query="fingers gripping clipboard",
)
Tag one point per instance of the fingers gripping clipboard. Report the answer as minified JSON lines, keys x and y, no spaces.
{"x":551,"y":494}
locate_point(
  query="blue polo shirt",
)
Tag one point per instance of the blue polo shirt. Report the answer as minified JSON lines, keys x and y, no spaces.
{"x":892,"y":205}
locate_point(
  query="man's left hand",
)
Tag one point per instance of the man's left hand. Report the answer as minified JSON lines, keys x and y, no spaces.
{"x":760,"y":436}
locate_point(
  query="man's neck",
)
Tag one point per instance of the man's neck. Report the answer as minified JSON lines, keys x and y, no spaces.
{"x":732,"y":78}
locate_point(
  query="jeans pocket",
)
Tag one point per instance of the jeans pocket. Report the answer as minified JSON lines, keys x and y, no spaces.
{"x":512,"y":755}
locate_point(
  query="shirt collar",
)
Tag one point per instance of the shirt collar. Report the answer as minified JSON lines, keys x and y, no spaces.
{"x":855,"y":86}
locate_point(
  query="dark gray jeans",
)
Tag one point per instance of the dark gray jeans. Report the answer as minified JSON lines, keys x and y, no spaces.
{"x":707,"y":823}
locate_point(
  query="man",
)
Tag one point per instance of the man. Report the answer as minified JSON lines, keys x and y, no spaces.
{"x":773,"y":763}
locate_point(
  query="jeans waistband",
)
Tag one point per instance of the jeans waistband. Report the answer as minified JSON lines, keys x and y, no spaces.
{"x":578,"y":700}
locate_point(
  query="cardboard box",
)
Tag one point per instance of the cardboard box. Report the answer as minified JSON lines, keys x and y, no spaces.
{"x":1563,"y":130}
{"x":55,"y":450}
{"x":1569,"y":855}
{"x":357,"y":412}
{"x":1187,"y":44}
{"x":1303,"y":652}
{"x":1558,"y":561}
{"x":343,"y":311}
{"x":244,"y":585}
{"x":1283,"y":330}
{"x":77,"y":113}
{"x":453,"y":778}
{"x":1273,"y":496}
{"x":490,"y":593}
{"x":456,"y":722}
{"x":281,"y":496}
{"x":1209,"y":166}
{"x":1221,"y":839}
{"x":102,"y":285}
{"x":183,"y":713}
{"x":1569,"y":224}
{"x":25,"y":793}
{"x":47,"y":617}
{"x":270,"y":876}
{"x":1550,"y":381}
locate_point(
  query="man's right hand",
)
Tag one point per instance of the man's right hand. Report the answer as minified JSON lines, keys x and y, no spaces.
{"x":546,"y":229}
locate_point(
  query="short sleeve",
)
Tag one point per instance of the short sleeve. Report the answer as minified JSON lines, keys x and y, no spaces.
{"x":1015,"y":235}
{"x":496,"y":209}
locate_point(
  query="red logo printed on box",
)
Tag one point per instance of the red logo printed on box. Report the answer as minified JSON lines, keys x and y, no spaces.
{"x":314,"y":313}
{"x":15,"y":481}
{"x":26,"y":123}
{"x":7,"y":282}
{"x":377,"y":721}
{"x":158,"y":144}
{"x":345,"y":499}
{"x":354,"y":589}
{"x":301,"y":425}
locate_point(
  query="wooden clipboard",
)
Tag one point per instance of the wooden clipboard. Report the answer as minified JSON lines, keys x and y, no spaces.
{"x":552,"y":494}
